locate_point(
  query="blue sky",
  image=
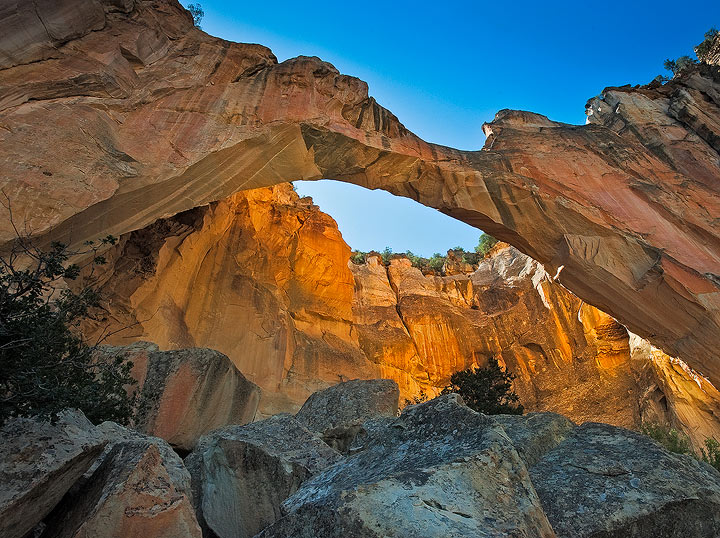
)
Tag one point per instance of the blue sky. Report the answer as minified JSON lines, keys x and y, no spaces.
{"x":445,"y":68}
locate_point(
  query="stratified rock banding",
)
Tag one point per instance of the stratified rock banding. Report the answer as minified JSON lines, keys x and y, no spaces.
{"x":134,"y":115}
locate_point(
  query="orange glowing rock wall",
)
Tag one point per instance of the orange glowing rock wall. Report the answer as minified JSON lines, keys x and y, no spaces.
{"x":265,"y":278}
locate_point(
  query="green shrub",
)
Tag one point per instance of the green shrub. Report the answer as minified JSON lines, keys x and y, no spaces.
{"x":486,"y":390}
{"x":358,"y":257}
{"x":437,"y":262}
{"x":197,"y":13}
{"x":415,"y":260}
{"x":703,"y":48}
{"x":670,"y":438}
{"x":485,"y":243}
{"x":679,"y":443}
{"x":679,"y":65}
{"x":45,"y":364}
{"x":711,"y":453}
{"x":386,"y":255}
{"x":473,"y":258}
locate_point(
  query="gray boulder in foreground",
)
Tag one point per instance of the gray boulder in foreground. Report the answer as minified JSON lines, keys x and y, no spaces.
{"x":39,"y":463}
{"x":535,"y":434}
{"x":242,"y":474}
{"x":338,"y":412}
{"x":607,"y":482}
{"x":138,"y":487}
{"x":439,"y":470}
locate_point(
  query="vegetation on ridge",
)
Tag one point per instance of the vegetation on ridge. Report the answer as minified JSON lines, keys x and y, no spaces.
{"x":680,"y":64}
{"x":436,"y":262}
{"x":197,"y":13}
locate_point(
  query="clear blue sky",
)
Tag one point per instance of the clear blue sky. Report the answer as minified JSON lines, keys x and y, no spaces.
{"x":445,"y":68}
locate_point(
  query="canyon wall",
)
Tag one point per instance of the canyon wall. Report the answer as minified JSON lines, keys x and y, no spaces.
{"x":134,"y":115}
{"x":264,"y":277}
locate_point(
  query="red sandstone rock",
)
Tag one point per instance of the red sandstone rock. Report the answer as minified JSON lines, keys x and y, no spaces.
{"x":156,"y":118}
{"x":186,"y":393}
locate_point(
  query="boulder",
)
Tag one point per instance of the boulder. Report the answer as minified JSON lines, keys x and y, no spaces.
{"x":535,"y":434}
{"x":440,"y":469}
{"x":138,"y":488}
{"x":604,"y":481}
{"x":39,"y":463}
{"x":241,"y":474}
{"x":186,"y":393}
{"x":337,"y":413}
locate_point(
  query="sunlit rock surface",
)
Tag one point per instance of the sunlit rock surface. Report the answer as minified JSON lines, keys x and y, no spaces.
{"x":264,"y":278}
{"x":183,"y":394}
{"x":157,"y":118}
{"x":674,"y":394}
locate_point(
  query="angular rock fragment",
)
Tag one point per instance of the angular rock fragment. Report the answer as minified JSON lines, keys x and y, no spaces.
{"x":39,"y":463}
{"x":440,"y":469}
{"x":604,"y":481}
{"x":186,"y":393}
{"x":241,"y":474}
{"x":139,"y":488}
{"x":535,"y":434}
{"x":337,"y":413}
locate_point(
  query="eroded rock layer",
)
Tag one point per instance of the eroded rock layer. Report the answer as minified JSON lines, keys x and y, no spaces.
{"x":156,"y":118}
{"x":265,"y":278}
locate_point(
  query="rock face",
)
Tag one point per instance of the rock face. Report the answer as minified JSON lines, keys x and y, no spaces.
{"x":39,"y":463}
{"x":161,"y":118}
{"x":138,"y":488}
{"x":241,"y":474}
{"x":439,"y":469}
{"x":674,"y":394}
{"x":276,"y":292}
{"x":568,"y":357}
{"x":186,"y":393}
{"x":338,"y":413}
{"x":422,"y":477}
{"x":280,"y":299}
{"x":606,"y":481}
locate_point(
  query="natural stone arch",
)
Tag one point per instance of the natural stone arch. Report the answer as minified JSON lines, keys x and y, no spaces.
{"x":155,"y":117}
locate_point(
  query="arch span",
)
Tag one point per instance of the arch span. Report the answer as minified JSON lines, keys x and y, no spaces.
{"x":134,"y":115}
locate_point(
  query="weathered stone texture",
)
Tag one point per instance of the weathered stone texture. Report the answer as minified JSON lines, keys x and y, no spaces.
{"x":138,"y":488}
{"x":604,"y":481}
{"x":242,"y":474}
{"x":185,"y":393}
{"x":160,"y":118}
{"x":39,"y":463}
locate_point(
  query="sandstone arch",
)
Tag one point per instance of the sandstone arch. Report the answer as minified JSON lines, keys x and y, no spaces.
{"x":116,"y":113}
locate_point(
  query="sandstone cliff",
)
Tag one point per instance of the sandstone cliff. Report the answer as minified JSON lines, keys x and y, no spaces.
{"x":264,"y":277}
{"x":135,"y":115}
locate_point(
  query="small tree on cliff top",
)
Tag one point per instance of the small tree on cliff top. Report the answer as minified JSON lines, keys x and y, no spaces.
{"x":45,"y":364}
{"x":197,"y":13}
{"x":486,"y":390}
{"x":485,"y":243}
